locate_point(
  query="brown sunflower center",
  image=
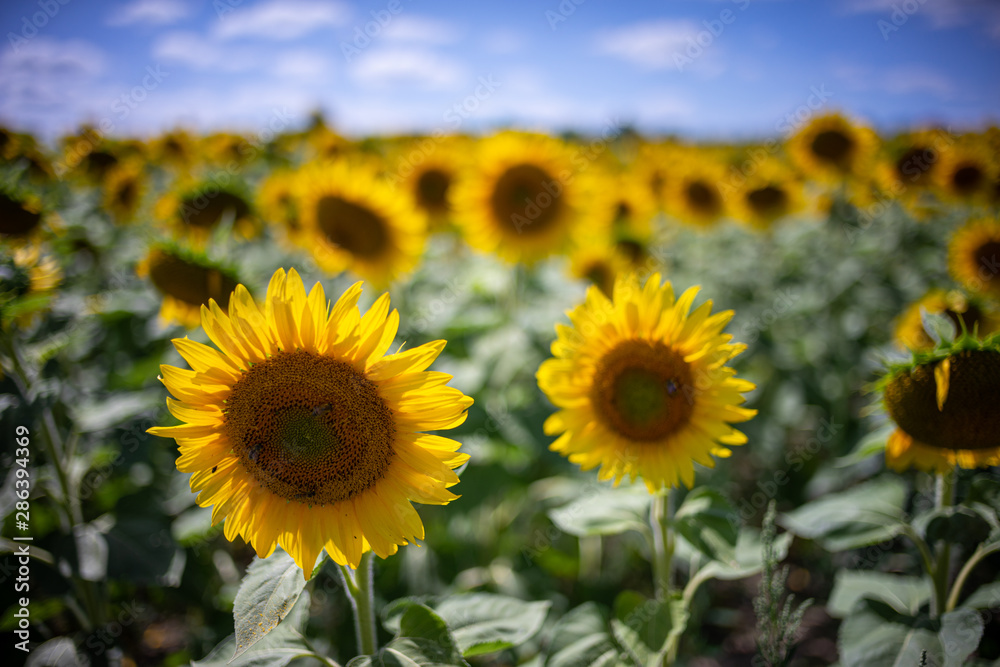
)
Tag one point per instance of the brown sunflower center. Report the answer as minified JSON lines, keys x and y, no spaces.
{"x":703,"y":198}
{"x":623,"y":212}
{"x":987,"y":258}
{"x":601,"y":274}
{"x":188,"y":281}
{"x":127,"y":194}
{"x":432,"y":190}
{"x":527,"y":200}
{"x":768,"y":201}
{"x":99,"y":162}
{"x":310,"y":428}
{"x":967,"y":179}
{"x":357,"y":229}
{"x":15,"y":220}
{"x":917,"y":165}
{"x":207,"y":210}
{"x":832,"y":146}
{"x":642,"y":389}
{"x":968,"y":419}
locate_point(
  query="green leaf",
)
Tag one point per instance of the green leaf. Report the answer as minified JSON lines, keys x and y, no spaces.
{"x":867,"y":447}
{"x":268,"y":592}
{"x":876,"y":635}
{"x":279,"y":647}
{"x":866,"y":514}
{"x":140,"y":550}
{"x":582,"y":638}
{"x":986,"y":596}
{"x":423,"y":640}
{"x":605,"y":511}
{"x":709,"y":523}
{"x":747,"y":558}
{"x":483,"y":622}
{"x":646,"y":626}
{"x":57,"y":652}
{"x":957,"y":525}
{"x":904,"y":594}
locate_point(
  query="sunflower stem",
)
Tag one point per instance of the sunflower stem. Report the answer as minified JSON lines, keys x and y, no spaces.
{"x":944,"y":497}
{"x":663,"y":544}
{"x":364,"y":605}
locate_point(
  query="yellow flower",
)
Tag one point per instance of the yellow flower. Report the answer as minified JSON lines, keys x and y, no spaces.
{"x":945,"y":410}
{"x":26,"y":280}
{"x":426,"y":170}
{"x":276,"y":200}
{"x":770,"y":193}
{"x":302,"y":434}
{"x":521,"y":201}
{"x":693,"y":192}
{"x":186,"y":281}
{"x":831,"y":147}
{"x":967,"y":173}
{"x":124,"y":188}
{"x":194,"y":209}
{"x":354,"y":222}
{"x":21,"y":216}
{"x":599,"y":262}
{"x":974,"y":257}
{"x":174,"y":149}
{"x":910,"y":332}
{"x":642,"y":385}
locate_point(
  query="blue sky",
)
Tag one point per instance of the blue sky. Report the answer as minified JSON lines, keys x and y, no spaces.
{"x":142,"y":66}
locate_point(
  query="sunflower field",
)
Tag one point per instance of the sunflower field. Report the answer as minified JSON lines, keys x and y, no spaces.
{"x":605,"y":400}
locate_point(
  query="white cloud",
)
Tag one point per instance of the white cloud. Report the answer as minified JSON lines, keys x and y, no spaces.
{"x":48,"y":74}
{"x":154,"y":12}
{"x":304,"y":65}
{"x":940,"y":14}
{"x":394,"y":67}
{"x":902,"y":80}
{"x":278,"y":20}
{"x":419,"y":29}
{"x":199,"y":52}
{"x":652,"y":45}
{"x":503,"y":42}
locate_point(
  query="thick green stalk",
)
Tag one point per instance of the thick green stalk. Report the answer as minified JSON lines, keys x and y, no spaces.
{"x":663,"y":544}
{"x":361,"y":593}
{"x":944,"y":497}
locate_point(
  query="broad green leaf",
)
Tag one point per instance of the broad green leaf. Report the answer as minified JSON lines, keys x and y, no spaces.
{"x":423,"y":640}
{"x":868,"y":446}
{"x":956,"y":525}
{"x":57,"y":652}
{"x":904,"y":594}
{"x":582,"y":638}
{"x":645,"y":626}
{"x":279,"y":647}
{"x":876,"y":635}
{"x":986,"y":596}
{"x":863,"y":515}
{"x":140,"y":549}
{"x":268,"y":592}
{"x":605,"y":511}
{"x":709,"y":523}
{"x":483,"y":622}
{"x":747,"y":559}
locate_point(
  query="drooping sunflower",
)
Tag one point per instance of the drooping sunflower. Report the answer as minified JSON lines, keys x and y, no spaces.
{"x":944,"y":404}
{"x":27,"y":279}
{"x":301,"y":433}
{"x":974,"y":257}
{"x":965,"y":314}
{"x":193,"y":209}
{"x":354,"y":222}
{"x":694,"y":192}
{"x":123,"y":190}
{"x":768,"y":194}
{"x":642,"y":385}
{"x":832,"y":148}
{"x":521,"y":201}
{"x":186,"y":280}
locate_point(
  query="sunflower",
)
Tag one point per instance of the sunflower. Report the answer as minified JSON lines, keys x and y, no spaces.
{"x":966,"y":315}
{"x":944,"y":404}
{"x":831,"y":147}
{"x":175,"y":149}
{"x":21,"y":215}
{"x":353,"y":221}
{"x":426,"y":170}
{"x":967,"y":174}
{"x":974,"y":257}
{"x":643,"y":386}
{"x":26,"y":282}
{"x":599,"y":262}
{"x":186,"y":280}
{"x":521,"y":201}
{"x":916,"y":158}
{"x":768,"y":194}
{"x":694,"y":194}
{"x":194,"y":209}
{"x":651,"y":170}
{"x":225,"y":148}
{"x":276,"y":200}
{"x":302,"y":434}
{"x":124,"y":189}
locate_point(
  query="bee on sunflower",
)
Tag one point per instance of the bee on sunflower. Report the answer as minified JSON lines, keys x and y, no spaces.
{"x":353,"y":221}
{"x":974,"y":257}
{"x":521,"y":200}
{"x":944,"y":404}
{"x":300,"y":431}
{"x":832,"y":148}
{"x":642,"y":384}
{"x":186,"y":280}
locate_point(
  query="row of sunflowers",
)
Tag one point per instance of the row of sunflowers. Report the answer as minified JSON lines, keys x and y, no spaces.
{"x":848,"y":266}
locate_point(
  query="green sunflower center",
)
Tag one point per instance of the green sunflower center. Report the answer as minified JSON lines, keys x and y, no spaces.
{"x":968,"y":418}
{"x":643,"y":390}
{"x":768,"y":201}
{"x":187,"y":281}
{"x":432,"y":190}
{"x":355,"y":228}
{"x":15,"y":220}
{"x":310,"y":428}
{"x":207,"y":210}
{"x":527,"y":200}
{"x":832,"y":146}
